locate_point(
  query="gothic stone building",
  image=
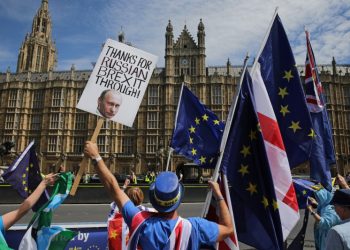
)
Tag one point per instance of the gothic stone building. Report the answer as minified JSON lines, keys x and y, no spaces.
{"x":38,"y":103}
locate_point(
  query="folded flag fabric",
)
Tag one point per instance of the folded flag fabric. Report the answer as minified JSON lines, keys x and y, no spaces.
{"x":231,"y":242}
{"x":197,"y":132}
{"x":40,"y":234}
{"x":24,"y":175}
{"x":322,"y":153}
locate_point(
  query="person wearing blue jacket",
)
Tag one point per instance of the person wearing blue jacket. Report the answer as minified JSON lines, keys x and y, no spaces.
{"x":325,"y":217}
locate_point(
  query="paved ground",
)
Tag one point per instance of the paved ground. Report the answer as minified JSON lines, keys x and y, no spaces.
{"x":78,"y":213}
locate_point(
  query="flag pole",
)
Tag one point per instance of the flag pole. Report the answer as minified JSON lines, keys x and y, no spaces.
{"x":169,"y":156}
{"x":225,"y":135}
{"x":84,"y":163}
{"x":177,"y":113}
{"x":264,"y":41}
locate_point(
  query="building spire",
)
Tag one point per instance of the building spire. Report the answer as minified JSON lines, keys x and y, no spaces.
{"x":38,"y":52}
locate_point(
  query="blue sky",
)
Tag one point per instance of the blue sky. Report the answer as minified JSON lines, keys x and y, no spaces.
{"x":233,"y":27}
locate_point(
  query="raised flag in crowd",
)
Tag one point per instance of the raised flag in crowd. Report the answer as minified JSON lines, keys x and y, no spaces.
{"x":40,"y":233}
{"x":255,"y":202}
{"x":197,"y":132}
{"x":231,"y":242}
{"x":322,"y":153}
{"x":304,"y":189}
{"x":282,"y":81}
{"x":24,"y":175}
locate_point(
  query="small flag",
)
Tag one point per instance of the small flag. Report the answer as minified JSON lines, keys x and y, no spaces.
{"x":322,"y":153}
{"x":303,"y":189}
{"x":24,"y":175}
{"x":40,"y":234}
{"x":198,"y":131}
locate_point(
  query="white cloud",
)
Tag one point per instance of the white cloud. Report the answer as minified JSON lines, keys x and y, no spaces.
{"x":232,"y":27}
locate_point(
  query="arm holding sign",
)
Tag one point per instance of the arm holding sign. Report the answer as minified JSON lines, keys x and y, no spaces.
{"x":106,"y":177}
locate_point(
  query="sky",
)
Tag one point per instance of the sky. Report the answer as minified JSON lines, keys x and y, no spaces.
{"x":233,"y":28}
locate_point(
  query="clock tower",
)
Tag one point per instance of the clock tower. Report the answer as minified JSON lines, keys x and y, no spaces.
{"x":184,"y":58}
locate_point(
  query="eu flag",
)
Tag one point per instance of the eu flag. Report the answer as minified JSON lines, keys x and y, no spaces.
{"x":198,"y":131}
{"x":282,"y":81}
{"x":246,"y":165}
{"x":24,"y":175}
{"x":322,"y":153}
{"x":303,"y":189}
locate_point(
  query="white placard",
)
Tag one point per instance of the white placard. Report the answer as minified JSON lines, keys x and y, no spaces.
{"x":118,"y":82}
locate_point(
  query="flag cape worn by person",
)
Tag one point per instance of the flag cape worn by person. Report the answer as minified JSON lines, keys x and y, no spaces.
{"x":282,"y":81}
{"x":322,"y":153}
{"x":198,"y":131}
{"x":245,"y":161}
{"x":231,"y":242}
{"x":118,"y":230}
{"x":40,"y":234}
{"x":24,"y":175}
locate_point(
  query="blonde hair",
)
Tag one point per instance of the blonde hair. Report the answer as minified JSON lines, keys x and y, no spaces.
{"x":136,"y":195}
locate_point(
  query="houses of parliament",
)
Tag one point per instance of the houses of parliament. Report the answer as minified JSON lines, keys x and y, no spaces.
{"x":39,"y":103}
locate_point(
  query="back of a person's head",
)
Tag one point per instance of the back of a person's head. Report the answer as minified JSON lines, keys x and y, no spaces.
{"x":136,"y":195}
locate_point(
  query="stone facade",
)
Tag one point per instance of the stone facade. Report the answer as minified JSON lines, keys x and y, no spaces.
{"x":39,"y":103}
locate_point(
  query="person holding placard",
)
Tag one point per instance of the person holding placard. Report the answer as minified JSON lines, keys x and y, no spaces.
{"x":108,"y":103}
{"x":165,"y":229}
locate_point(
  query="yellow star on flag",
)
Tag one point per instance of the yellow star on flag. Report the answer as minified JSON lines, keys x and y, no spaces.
{"x":197,"y":121}
{"x":283,"y":92}
{"x":24,"y":182}
{"x":24,"y":175}
{"x":288,"y":75}
{"x":258,"y":127}
{"x":245,"y":151}
{"x":191,"y":140}
{"x":194,"y":151}
{"x":243,"y":170}
{"x":216,"y":122}
{"x":251,"y":188}
{"x":113,"y":234}
{"x":284,"y":110}
{"x":312,"y":134}
{"x":252,"y":135}
{"x":202,"y":159}
{"x":304,"y":192}
{"x":205,"y":117}
{"x":275,"y":205}
{"x":192,"y":129}
{"x":265,"y":202}
{"x":25,"y":188}
{"x":295,"y":126}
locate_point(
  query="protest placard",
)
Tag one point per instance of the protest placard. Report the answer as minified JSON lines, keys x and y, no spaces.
{"x":118,"y":82}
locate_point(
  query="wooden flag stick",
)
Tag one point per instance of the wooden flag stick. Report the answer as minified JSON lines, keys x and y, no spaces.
{"x":84,"y":163}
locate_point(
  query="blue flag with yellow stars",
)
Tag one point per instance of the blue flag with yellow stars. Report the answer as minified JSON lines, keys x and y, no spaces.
{"x":24,"y":175}
{"x":303,"y":189}
{"x":246,"y":165}
{"x":198,"y":131}
{"x":282,"y":81}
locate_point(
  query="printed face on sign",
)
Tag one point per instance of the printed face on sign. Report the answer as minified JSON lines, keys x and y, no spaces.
{"x":108,"y":103}
{"x":118,"y":82}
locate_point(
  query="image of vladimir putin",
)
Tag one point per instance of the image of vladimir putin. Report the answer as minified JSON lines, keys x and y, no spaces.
{"x":108,"y":103}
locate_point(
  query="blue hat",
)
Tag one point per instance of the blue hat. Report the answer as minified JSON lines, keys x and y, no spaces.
{"x":166,"y":192}
{"x":341,"y":197}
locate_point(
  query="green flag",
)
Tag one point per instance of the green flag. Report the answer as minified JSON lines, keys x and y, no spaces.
{"x":40,"y":234}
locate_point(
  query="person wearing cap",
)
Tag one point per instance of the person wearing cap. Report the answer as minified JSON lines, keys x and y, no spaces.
{"x":339,"y":236}
{"x":165,"y":229}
